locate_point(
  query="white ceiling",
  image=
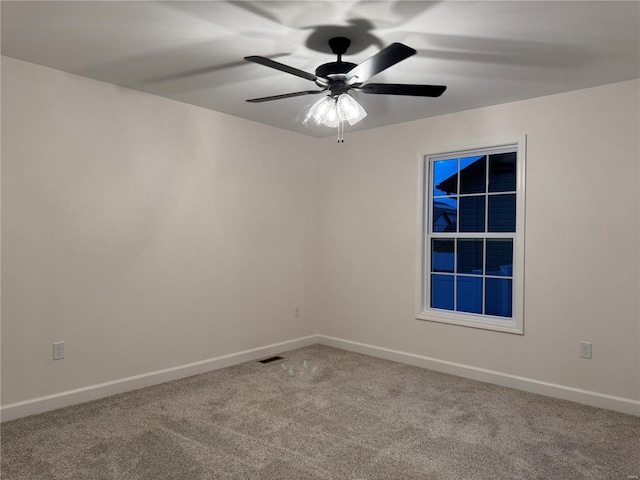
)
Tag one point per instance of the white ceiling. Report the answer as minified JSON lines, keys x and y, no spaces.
{"x":486,"y":52}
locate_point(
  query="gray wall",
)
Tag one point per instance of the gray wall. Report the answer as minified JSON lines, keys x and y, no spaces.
{"x":144,"y":232}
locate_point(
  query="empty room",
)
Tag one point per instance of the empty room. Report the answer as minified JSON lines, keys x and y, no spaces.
{"x":320,"y":240}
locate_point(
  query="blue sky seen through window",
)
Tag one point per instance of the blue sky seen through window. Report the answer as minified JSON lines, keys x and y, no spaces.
{"x":473,"y":194}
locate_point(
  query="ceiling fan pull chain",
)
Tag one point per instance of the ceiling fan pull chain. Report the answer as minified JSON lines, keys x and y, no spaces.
{"x":341,"y":131}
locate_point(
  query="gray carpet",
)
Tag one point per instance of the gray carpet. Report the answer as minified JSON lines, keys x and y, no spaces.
{"x":323,"y":413}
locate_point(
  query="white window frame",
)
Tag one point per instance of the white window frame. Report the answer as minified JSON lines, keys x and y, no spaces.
{"x":515,"y":324}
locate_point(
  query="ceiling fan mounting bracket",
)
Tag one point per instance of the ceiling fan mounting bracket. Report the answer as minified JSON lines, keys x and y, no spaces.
{"x":339,"y":45}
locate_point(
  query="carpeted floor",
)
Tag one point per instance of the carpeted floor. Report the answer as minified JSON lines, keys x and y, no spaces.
{"x":323,"y":413}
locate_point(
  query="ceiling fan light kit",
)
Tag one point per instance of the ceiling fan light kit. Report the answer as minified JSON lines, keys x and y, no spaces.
{"x":339,"y":77}
{"x":334,"y":111}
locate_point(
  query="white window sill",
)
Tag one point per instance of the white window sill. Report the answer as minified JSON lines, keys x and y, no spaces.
{"x":475,"y":321}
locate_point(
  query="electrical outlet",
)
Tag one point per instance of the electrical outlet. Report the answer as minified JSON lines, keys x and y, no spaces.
{"x":585,"y":349}
{"x":58,"y":350}
{"x":296,"y":311}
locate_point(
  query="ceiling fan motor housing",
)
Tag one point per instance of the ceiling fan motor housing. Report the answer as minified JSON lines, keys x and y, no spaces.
{"x":334,"y":68}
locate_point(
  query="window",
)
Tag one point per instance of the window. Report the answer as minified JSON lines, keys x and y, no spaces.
{"x":471,"y":241}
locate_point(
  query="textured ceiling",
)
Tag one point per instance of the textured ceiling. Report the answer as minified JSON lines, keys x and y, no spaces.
{"x":486,"y":52}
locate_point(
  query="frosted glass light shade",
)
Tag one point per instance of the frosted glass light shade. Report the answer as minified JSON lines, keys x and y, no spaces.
{"x":349,"y":110}
{"x":319,"y":110}
{"x":330,"y":116}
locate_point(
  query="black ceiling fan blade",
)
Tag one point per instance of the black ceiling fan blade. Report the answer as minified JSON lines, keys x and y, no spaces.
{"x":385,"y":58}
{"x":402,"y":89}
{"x":285,"y":95}
{"x":267,"y":62}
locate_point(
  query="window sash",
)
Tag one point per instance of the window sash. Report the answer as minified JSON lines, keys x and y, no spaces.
{"x":455,"y":274}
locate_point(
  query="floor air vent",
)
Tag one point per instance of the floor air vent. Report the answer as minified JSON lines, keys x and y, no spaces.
{"x":271,"y":359}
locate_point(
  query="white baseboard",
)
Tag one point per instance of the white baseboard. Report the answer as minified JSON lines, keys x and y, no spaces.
{"x":93,"y":392}
{"x":595,"y":399}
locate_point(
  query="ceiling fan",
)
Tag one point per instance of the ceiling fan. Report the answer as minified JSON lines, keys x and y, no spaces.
{"x":338,"y":78}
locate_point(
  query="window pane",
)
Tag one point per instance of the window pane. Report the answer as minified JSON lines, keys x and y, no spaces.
{"x":472,"y":214}
{"x":498,"y":301}
{"x":470,"y":256}
{"x":473,"y":174}
{"x":502,"y":213}
{"x":442,"y":291}
{"x":469,"y":294}
{"x":445,"y":214}
{"x":502,"y":172}
{"x":445,"y":177}
{"x":499,"y":257}
{"x":442,"y":256}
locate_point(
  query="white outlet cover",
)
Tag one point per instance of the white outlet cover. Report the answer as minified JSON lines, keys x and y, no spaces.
{"x":58,"y":350}
{"x":585,"y":349}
